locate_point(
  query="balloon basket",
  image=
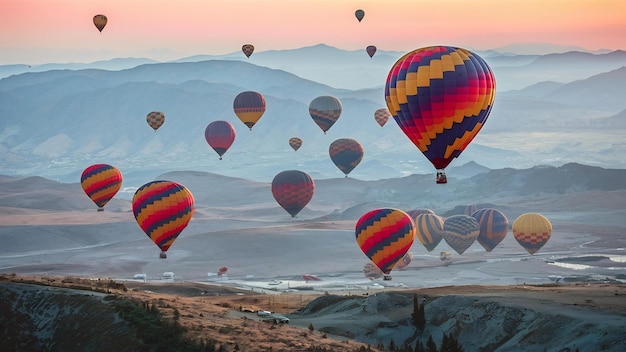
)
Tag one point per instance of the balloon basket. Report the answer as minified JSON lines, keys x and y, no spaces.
{"x":163,"y":255}
{"x":387,"y":277}
{"x":100,"y":209}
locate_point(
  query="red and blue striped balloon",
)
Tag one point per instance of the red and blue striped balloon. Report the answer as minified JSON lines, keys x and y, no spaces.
{"x":163,"y":210}
{"x":440,"y":96}
{"x":385,"y":235}
{"x":101,"y":182}
{"x":220,"y":135}
{"x":293,"y":190}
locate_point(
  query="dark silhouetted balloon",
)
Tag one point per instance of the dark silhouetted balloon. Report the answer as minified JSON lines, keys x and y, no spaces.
{"x":359,"y":14}
{"x":220,"y":135}
{"x":155,"y":119}
{"x":100,"y":21}
{"x":346,"y":153}
{"x":247,"y":49}
{"x":293,"y":190}
{"x":371,"y":50}
{"x":295,"y":143}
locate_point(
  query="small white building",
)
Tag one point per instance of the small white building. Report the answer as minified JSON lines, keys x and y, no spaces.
{"x":168,"y":275}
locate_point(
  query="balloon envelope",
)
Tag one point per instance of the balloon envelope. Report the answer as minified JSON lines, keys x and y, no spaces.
{"x":429,"y":230}
{"x":220,"y":135}
{"x":532,"y":231}
{"x":247,"y":49}
{"x":493,"y":227}
{"x":293,"y":189}
{"x":325,"y":111}
{"x":163,"y":210}
{"x":371,"y":271}
{"x":359,"y":14}
{"x":440,"y":96}
{"x":385,"y":235}
{"x":346,"y":153}
{"x":101,"y":182}
{"x":155,"y":119}
{"x":405,"y":261}
{"x":100,"y":21}
{"x":381,"y":116}
{"x":371,"y":50}
{"x":460,"y":231}
{"x":249,"y":106}
{"x":295,"y":143}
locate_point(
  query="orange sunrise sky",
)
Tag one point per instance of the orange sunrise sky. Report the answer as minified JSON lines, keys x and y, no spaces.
{"x":43,"y":31}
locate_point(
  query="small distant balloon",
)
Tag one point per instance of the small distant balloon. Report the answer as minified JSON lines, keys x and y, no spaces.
{"x":295,"y":143}
{"x":359,"y":14}
{"x":155,"y":119}
{"x":371,"y":50}
{"x":381,"y":116}
{"x":101,"y":182}
{"x":247,"y":49}
{"x":100,"y":21}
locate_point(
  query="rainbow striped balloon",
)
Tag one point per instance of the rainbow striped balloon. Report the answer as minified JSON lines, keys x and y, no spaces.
{"x":101,"y":182}
{"x":163,"y":210}
{"x":440,"y":96}
{"x":385,"y":235}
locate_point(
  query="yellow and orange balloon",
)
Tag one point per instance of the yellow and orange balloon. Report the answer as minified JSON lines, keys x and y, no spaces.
{"x":101,"y":182}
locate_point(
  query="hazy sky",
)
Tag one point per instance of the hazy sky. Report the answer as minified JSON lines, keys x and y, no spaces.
{"x":40,"y":31}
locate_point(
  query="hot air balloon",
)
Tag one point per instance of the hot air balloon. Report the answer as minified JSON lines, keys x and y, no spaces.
{"x":247,"y":49}
{"x":220,"y":135}
{"x":325,"y":110}
{"x":405,"y":261}
{"x":249,"y":107}
{"x":493,"y":227}
{"x":371,"y":271}
{"x":346,"y":153}
{"x":359,"y":14}
{"x":100,"y":21}
{"x":295,"y":143}
{"x":155,"y":119}
{"x":429,"y":230}
{"x":385,"y":235}
{"x":221,"y":271}
{"x":415,"y":212}
{"x":101,"y":182}
{"x":532,"y":231}
{"x":371,"y":50}
{"x":460,"y":231}
{"x":163,"y":210}
{"x":293,"y":189}
{"x":445,"y":256}
{"x":381,"y":116}
{"x":440,"y":96}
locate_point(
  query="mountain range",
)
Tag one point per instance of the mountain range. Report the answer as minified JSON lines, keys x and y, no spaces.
{"x":59,"y":119}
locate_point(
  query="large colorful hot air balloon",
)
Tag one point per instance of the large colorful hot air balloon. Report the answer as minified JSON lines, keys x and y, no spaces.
{"x":325,"y":110}
{"x":440,"y":96}
{"x":101,"y":182}
{"x":346,"y":153}
{"x":359,"y":14}
{"x":429,"y":230}
{"x":163,"y":210}
{"x":249,"y":107}
{"x":293,"y":189}
{"x":385,"y":235}
{"x":371,"y":50}
{"x":295,"y":143}
{"x":155,"y":119}
{"x":381,"y":116}
{"x":100,"y":21}
{"x":493,"y":227}
{"x":460,"y":231}
{"x":532,"y":231}
{"x":220,"y":135}
{"x":247,"y":49}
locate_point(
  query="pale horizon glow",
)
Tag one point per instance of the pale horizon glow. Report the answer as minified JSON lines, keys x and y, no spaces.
{"x":44,"y":31}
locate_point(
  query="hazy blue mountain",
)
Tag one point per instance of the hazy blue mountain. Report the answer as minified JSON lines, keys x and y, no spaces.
{"x":56,"y":123}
